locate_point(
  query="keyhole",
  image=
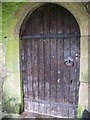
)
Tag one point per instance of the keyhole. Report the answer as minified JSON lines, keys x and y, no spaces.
{"x":69,"y":61}
{"x":71,"y":81}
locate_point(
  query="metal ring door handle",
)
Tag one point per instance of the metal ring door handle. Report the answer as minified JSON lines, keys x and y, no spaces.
{"x":69,"y":62}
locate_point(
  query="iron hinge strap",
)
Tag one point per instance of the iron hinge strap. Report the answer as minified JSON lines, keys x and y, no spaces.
{"x":55,"y":103}
{"x":44,"y":36}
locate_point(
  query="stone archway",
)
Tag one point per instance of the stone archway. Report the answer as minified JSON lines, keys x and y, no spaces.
{"x":79,"y":12}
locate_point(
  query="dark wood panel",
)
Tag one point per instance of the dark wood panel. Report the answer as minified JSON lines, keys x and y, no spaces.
{"x":60,"y":65}
{"x":41,"y":57}
{"x":46,"y":78}
{"x":47,"y":63}
{"x":53,"y":53}
{"x":47,"y":69}
{"x":35,"y":69}
{"x":66,"y":70}
{"x":35,"y":61}
{"x":60,"y":53}
{"x":53,"y":60}
{"x":29,"y":68}
{"x":75,"y":49}
{"x":25,"y":71}
{"x":47,"y":59}
{"x":41,"y":69}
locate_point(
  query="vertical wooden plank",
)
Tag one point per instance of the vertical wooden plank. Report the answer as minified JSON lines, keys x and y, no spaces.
{"x":77,"y":59}
{"x":47,"y":63}
{"x":78,"y":70}
{"x":29,"y":73}
{"x":28,"y":31}
{"x":25,"y":73}
{"x":29,"y":65}
{"x":35,"y":22}
{"x":41,"y":87}
{"x":53,"y":57}
{"x":40,"y":64}
{"x":73,"y":69}
{"x":41,"y":69}
{"x":25,"y":70}
{"x":74,"y":72}
{"x":53,"y":54}
{"x":41,"y":58}
{"x":35,"y":69}
{"x":66,"y":71}
{"x":47,"y":71}
{"x":60,"y":64}
{"x":47,"y":53}
{"x":41,"y":76}
{"x":35,"y":18}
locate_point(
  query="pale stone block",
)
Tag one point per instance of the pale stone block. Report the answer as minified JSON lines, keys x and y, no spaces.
{"x":83,"y":95}
{"x":84,"y":46}
{"x":84,"y":69}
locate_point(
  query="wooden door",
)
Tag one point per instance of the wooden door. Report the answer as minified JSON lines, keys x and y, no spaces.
{"x":50,"y":61}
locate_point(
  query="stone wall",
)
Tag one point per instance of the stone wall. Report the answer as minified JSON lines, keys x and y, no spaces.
{"x":88,"y":7}
{"x":11,"y":77}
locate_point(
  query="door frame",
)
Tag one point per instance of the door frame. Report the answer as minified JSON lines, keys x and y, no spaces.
{"x":26,"y":17}
{"x":83,"y":24}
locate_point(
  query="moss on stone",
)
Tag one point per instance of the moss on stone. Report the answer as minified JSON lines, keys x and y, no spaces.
{"x":22,"y":94}
{"x":80,"y":111}
{"x":12,"y":90}
{"x":11,"y":105}
{"x":11,"y":85}
{"x":12,"y":56}
{"x":12,"y":95}
{"x":8,"y":10}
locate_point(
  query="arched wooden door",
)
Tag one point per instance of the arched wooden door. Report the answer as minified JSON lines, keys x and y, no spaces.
{"x":50,"y":61}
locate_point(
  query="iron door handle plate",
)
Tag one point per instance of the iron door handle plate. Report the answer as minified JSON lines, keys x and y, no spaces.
{"x":69,"y":62}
